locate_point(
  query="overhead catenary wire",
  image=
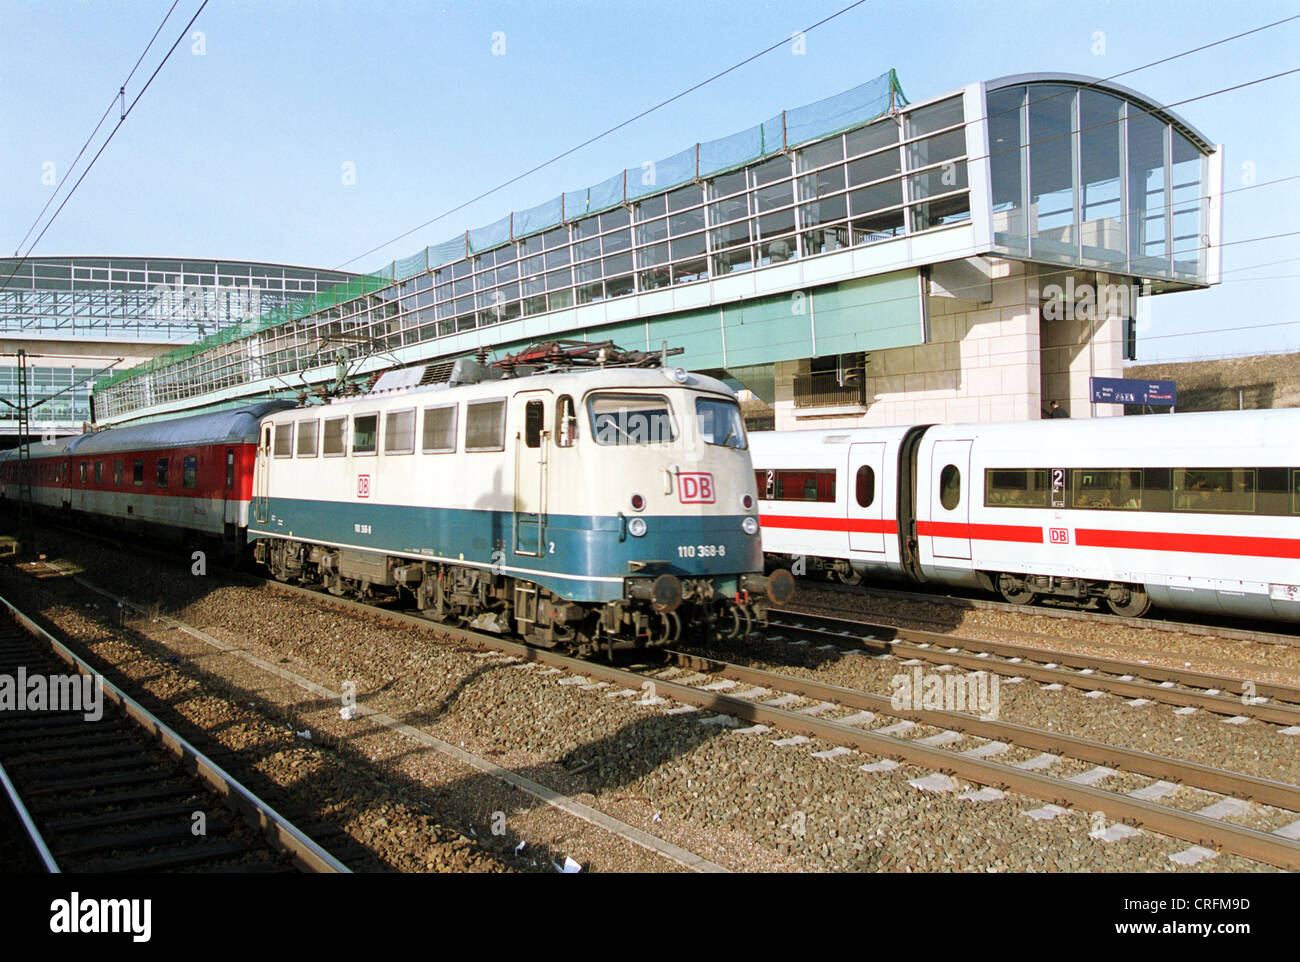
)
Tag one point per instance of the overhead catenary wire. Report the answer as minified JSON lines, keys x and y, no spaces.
{"x":126,"y":113}
{"x":116,"y":97}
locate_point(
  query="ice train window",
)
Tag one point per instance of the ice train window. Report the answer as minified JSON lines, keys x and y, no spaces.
{"x":1295,"y":492}
{"x":950,"y":487}
{"x":865,"y":486}
{"x":439,"y":430}
{"x":336,"y":430}
{"x":1215,"y":490}
{"x":399,"y":432}
{"x":1018,"y":488}
{"x":627,"y":419}
{"x":796,"y":484}
{"x":307,"y":435}
{"x":485,"y":425}
{"x":365,"y":433}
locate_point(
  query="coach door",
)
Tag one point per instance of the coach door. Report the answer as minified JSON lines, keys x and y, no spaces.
{"x":950,"y":493}
{"x":865,"y":498}
{"x":261,"y":477}
{"x":531,"y":415}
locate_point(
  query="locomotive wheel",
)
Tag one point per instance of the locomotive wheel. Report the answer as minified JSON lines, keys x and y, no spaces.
{"x":1136,"y":604}
{"x":1014,"y":590}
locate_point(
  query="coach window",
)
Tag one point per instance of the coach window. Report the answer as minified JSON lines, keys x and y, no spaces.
{"x":137,"y":471}
{"x":83,"y":472}
{"x":950,"y":487}
{"x":162,"y":472}
{"x":439,"y":430}
{"x":1217,"y":490}
{"x":284,"y":440}
{"x":230,"y":469}
{"x":1016,"y":488}
{"x":813,"y":484}
{"x":336,"y":430}
{"x":1295,"y":491}
{"x":307,"y":432}
{"x":117,"y":472}
{"x":866,"y":486}
{"x":485,"y":425}
{"x":365,"y":428}
{"x":1107,"y":488}
{"x":99,"y":472}
{"x":566,"y":422}
{"x":534,"y":418}
{"x":399,"y":432}
{"x":190,"y":473}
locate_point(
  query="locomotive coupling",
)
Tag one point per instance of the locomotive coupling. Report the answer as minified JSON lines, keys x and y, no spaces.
{"x":664,"y":593}
{"x":779,"y":586}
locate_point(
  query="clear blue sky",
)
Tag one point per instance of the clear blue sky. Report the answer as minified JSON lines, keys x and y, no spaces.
{"x":239,"y":152}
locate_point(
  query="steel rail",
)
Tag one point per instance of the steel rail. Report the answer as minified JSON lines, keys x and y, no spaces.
{"x":1263,"y":790}
{"x":29,"y":825}
{"x":278,"y":830}
{"x":1073,"y":614}
{"x":1198,"y":829}
{"x":1219,"y":704}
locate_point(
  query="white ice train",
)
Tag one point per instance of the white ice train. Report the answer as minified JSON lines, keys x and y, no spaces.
{"x":1188,"y":511}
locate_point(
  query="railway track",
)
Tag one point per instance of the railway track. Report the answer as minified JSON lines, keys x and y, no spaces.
{"x":100,"y":784}
{"x":707,"y":686}
{"x":1265,"y":701}
{"x":1223,"y":630}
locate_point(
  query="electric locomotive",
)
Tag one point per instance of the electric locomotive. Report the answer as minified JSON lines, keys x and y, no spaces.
{"x":579,"y":496}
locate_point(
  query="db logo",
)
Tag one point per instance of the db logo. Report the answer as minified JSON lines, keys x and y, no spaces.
{"x":363,"y":485}
{"x":1060,"y":535}
{"x":695,"y":488}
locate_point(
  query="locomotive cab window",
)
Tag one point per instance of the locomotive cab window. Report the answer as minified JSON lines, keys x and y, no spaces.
{"x":534,"y":418}
{"x":365,"y":433}
{"x":720,"y":423}
{"x":190,"y":473}
{"x":627,"y":419}
{"x":950,"y":487}
{"x":162,"y":472}
{"x":399,"y":432}
{"x":439,"y":430}
{"x":336,"y":431}
{"x":284,"y":440}
{"x":566,"y":422}
{"x":307,"y":436}
{"x":485,"y":425}
{"x":865,"y":486}
{"x":1007,"y":488}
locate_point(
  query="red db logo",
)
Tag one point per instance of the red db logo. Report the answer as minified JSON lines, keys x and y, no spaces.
{"x":695,"y":488}
{"x":363,"y":485}
{"x":1060,"y":535}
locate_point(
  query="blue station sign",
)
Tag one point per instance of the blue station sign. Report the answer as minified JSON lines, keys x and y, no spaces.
{"x":1122,"y":390}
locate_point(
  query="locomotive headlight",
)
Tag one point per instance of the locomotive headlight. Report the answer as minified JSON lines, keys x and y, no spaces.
{"x":636,"y":527}
{"x":677,"y":374}
{"x":750,"y":525}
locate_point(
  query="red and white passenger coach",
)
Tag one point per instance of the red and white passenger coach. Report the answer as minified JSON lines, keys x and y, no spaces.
{"x":1192,"y":511}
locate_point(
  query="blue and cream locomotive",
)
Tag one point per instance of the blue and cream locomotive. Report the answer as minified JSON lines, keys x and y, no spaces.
{"x":596,"y":506}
